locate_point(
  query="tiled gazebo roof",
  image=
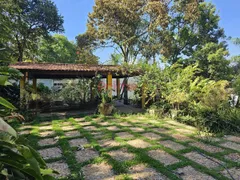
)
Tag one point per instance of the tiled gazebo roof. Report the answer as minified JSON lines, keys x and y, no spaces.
{"x":57,"y":70}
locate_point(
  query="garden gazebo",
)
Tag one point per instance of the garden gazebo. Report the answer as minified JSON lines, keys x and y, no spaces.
{"x":36,"y":71}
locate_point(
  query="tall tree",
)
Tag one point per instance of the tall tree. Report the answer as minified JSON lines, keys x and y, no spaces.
{"x":57,"y":49}
{"x":29,"y":20}
{"x":124,"y":24}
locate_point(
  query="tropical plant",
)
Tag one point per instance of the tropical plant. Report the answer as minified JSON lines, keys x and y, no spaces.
{"x":106,"y":106}
{"x":17,"y":159}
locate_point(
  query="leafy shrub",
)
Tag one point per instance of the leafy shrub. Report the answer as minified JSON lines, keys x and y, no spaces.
{"x":41,"y":88}
{"x":216,"y":121}
{"x":17,"y":159}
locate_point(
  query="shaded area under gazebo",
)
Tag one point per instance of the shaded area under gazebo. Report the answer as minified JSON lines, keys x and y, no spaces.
{"x":37,"y":71}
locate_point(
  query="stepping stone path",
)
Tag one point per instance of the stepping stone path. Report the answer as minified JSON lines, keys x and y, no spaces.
{"x":172,"y":145}
{"x":204,"y":161}
{"x":72,"y":134}
{"x":233,"y":138}
{"x":163,"y":157}
{"x":90,"y":128}
{"x":104,"y":123}
{"x":121,"y":155}
{"x":189,"y":173}
{"x":86,"y":155}
{"x":138,"y":143}
{"x":108,"y":143}
{"x":161,"y":130}
{"x":113,"y":128}
{"x":47,"y":142}
{"x":26,"y":132}
{"x":233,"y":157}
{"x":68,"y":128}
{"x":85,"y":123}
{"x":125,"y":124}
{"x":101,"y":171}
{"x":208,"y":148}
{"x":116,"y":139}
{"x":124,"y":135}
{"x":98,"y":135}
{"x":44,"y":128}
{"x":137,"y":129}
{"x":46,"y":133}
{"x":231,"y":145}
{"x":60,"y":167}
{"x":50,"y":153}
{"x":235,"y":173}
{"x":181,"y":137}
{"x":151,"y":136}
{"x":78,"y":142}
{"x":29,"y":127}
{"x":142,"y":172}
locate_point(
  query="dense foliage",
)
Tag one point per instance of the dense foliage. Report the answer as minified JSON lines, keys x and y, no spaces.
{"x":190,"y":98}
{"x":24,"y":21}
{"x":18,"y":160}
{"x":56,"y":49}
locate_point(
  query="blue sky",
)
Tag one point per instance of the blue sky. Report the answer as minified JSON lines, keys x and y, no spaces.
{"x":75,"y":14}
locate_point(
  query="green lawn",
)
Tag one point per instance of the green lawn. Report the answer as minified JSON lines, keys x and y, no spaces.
{"x":132,"y":147}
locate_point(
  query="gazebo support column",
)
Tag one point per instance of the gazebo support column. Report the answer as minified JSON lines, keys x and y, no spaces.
{"x":118,"y":87}
{"x":35,"y":91}
{"x":143,"y":95}
{"x":35,"y":85}
{"x":109,"y":84}
{"x":22,"y":87}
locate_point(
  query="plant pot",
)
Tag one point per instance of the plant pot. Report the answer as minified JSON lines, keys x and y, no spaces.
{"x":106,"y":109}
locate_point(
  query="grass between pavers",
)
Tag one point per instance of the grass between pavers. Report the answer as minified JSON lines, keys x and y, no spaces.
{"x":141,"y":155}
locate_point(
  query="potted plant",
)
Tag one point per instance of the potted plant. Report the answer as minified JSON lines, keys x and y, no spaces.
{"x":106,"y":106}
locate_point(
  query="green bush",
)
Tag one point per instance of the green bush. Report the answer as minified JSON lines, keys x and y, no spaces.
{"x":17,"y":159}
{"x":221,"y":120}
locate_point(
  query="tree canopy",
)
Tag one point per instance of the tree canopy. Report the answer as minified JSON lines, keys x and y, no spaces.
{"x":25,"y":21}
{"x":57,"y":49}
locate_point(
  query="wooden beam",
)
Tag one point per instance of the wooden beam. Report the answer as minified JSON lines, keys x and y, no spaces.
{"x":109,"y":84}
{"x":118,"y":87}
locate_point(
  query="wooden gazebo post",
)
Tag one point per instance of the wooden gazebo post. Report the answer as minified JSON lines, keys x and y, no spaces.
{"x":118,"y":87}
{"x":35,"y":85}
{"x":109,"y":84}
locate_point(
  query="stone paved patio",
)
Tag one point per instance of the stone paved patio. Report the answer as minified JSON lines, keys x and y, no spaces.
{"x":203,"y":160}
{"x":172,"y":145}
{"x":121,"y":155}
{"x":122,"y":148}
{"x":61,"y":168}
{"x":101,"y":171}
{"x":138,"y":143}
{"x":47,"y":141}
{"x":163,"y":157}
{"x":86,"y":155}
{"x":189,"y":173}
